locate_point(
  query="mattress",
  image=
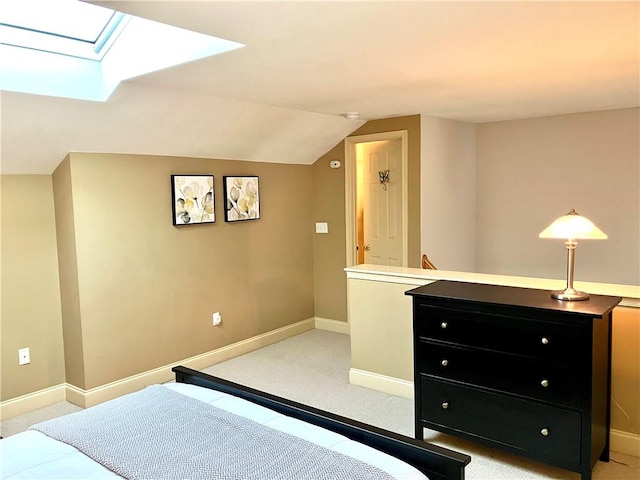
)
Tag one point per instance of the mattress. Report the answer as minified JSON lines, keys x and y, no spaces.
{"x":33,"y":455}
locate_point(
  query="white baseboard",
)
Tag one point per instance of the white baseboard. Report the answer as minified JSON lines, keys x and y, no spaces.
{"x":621,"y":442}
{"x":198,"y":362}
{"x":32,"y":401}
{"x":381,"y":383}
{"x":94,"y":396}
{"x":624,"y":442}
{"x":332,"y":325}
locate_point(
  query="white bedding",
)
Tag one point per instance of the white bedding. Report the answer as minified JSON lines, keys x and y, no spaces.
{"x":33,"y":455}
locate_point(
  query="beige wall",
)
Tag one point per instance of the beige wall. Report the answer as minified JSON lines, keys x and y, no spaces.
{"x":329,"y":250}
{"x":380,"y":316}
{"x":448,"y":193}
{"x":68,"y":271}
{"x":138,"y":293}
{"x":30,"y":287}
{"x":146,"y":290}
{"x":625,"y":381}
{"x":129,"y":276}
{"x":329,"y":206}
{"x":532,"y":171}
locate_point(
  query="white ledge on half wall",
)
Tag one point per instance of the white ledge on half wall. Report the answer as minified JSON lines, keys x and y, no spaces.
{"x":416,"y":276}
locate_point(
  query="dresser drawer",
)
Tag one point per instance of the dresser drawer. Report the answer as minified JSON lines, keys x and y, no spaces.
{"x":503,"y":372}
{"x":545,"y":430}
{"x":545,"y":340}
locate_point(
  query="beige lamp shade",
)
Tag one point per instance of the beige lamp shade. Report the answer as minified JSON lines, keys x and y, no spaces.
{"x":573,"y":226}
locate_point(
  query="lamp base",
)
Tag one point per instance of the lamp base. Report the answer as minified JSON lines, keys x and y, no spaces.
{"x":569,"y":294}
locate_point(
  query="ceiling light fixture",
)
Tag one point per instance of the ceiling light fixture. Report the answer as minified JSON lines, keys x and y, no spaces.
{"x":351,"y":115}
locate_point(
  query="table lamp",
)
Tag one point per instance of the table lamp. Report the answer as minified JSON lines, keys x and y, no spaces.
{"x":572,"y":227}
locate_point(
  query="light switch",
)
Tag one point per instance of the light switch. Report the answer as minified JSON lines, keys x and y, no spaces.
{"x":322,"y":227}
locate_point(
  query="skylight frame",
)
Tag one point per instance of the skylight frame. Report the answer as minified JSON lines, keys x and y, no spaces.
{"x":128,"y":48}
{"x":32,"y":36}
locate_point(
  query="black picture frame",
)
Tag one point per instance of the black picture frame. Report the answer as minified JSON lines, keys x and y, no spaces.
{"x":241,"y":197}
{"x":193,"y":199}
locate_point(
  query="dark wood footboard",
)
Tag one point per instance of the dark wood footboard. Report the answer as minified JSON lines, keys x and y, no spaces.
{"x":437,"y":463}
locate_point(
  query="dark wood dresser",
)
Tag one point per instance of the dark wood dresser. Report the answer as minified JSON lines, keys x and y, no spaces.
{"x":515,"y":369}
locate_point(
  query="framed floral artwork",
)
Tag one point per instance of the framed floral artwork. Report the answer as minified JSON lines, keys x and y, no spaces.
{"x":193,"y":199}
{"x":242,"y":198}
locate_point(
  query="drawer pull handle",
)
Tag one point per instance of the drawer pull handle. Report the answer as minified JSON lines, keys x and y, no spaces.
{"x":444,"y":362}
{"x":544,"y":383}
{"x":444,"y":325}
{"x":545,"y":341}
{"x":544,"y":432}
{"x":445,"y":405}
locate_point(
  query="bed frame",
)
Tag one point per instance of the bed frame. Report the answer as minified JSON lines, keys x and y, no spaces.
{"x":437,"y":463}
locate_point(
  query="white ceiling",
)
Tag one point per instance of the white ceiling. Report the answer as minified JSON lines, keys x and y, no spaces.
{"x":279,"y":99}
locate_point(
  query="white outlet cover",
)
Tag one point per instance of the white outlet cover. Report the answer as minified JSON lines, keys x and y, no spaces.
{"x":24,"y":356}
{"x":217,"y":318}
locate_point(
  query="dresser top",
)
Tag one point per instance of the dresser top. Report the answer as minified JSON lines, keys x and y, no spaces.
{"x":596,"y":306}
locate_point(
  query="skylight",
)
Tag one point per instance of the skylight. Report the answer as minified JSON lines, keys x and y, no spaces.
{"x":70,"y":48}
{"x":66,"y":27}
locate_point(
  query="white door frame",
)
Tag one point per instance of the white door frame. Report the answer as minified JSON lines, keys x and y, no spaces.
{"x":351,"y":178}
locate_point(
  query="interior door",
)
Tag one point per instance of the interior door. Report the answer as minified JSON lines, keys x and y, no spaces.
{"x":382,"y":202}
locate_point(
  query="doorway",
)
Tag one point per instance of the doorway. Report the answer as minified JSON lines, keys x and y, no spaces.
{"x":376,"y":198}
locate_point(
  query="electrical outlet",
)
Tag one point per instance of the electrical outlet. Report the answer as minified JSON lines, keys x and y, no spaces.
{"x":24,"y":356}
{"x":217,"y":319}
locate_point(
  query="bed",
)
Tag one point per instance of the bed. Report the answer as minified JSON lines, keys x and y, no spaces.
{"x":202,"y":426}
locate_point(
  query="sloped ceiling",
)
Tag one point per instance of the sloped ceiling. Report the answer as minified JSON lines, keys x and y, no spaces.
{"x":279,"y":99}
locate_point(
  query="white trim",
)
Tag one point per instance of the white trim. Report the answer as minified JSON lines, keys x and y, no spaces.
{"x":630,"y":302}
{"x":381,"y":383}
{"x":624,"y":442}
{"x":415,"y":276}
{"x":350,"y":179}
{"x":32,"y":401}
{"x":164,"y":374}
{"x":332,"y":325}
{"x":94,"y":396}
{"x":350,"y":201}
